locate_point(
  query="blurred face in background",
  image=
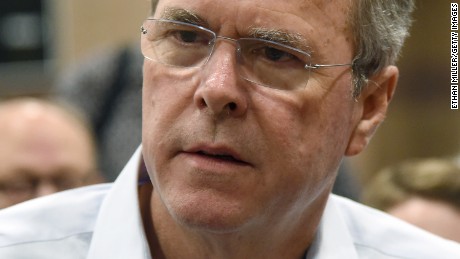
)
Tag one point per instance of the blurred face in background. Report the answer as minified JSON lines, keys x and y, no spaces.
{"x":43,"y":150}
{"x":438,"y":217}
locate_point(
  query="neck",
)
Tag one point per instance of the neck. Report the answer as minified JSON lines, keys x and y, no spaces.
{"x":277,"y":239}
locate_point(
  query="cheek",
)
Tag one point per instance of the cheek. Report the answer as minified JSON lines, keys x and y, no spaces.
{"x":150,"y":113}
{"x":289,"y":138}
{"x":166,"y":94}
{"x":166,"y":100}
{"x":309,"y":132}
{"x":158,"y":110}
{"x":288,"y":125}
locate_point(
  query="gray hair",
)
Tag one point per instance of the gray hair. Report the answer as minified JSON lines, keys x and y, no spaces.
{"x":380,"y":28}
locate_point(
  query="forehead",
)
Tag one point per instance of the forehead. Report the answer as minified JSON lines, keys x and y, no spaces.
{"x":40,"y":136}
{"x":323,"y":24}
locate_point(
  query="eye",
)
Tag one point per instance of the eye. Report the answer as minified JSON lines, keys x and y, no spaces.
{"x":274,"y":54}
{"x":190,"y":37}
{"x":187,"y":36}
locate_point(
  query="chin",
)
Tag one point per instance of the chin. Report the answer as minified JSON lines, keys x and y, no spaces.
{"x":209,"y":213}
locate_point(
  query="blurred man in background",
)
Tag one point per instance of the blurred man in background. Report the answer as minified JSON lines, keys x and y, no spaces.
{"x":107,"y":88}
{"x":423,"y":192}
{"x":45,"y":148}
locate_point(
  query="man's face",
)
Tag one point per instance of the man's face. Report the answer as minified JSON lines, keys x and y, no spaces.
{"x":42,"y":151}
{"x":224,"y":153}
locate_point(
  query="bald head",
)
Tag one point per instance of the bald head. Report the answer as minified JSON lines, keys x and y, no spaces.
{"x":44,"y":148}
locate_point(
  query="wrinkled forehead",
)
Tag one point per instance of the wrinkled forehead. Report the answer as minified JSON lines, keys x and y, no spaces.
{"x":332,"y":10}
{"x":323,"y":25}
{"x":299,"y":3}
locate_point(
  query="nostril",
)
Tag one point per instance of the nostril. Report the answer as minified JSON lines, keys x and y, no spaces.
{"x":203,"y":103}
{"x":232,"y":106}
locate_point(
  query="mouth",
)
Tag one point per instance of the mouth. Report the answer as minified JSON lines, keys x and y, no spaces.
{"x":224,"y":157}
{"x":221,"y":155}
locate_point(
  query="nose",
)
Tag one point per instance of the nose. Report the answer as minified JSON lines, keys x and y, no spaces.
{"x":221,"y":89}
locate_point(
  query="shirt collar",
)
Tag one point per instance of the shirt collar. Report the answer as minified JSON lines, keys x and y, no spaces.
{"x":333,"y":239}
{"x":119,"y":232}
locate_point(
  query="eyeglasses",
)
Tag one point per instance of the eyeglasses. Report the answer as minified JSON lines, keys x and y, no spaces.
{"x":259,"y":61}
{"x":24,"y":188}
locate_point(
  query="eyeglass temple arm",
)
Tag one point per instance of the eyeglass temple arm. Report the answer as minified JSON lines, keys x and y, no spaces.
{"x":316,"y":66}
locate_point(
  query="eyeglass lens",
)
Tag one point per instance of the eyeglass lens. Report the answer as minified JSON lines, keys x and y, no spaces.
{"x":260,"y":61}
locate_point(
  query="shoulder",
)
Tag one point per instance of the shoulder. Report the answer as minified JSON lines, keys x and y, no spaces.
{"x":52,"y":222}
{"x":379,"y":235}
{"x":95,"y":73}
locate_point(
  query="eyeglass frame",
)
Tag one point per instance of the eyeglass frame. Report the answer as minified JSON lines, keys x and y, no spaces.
{"x":215,"y":37}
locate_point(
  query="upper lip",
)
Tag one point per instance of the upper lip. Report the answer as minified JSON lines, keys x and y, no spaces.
{"x":217,"y":150}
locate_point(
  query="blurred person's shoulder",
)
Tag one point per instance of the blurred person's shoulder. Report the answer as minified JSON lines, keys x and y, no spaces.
{"x":376,"y":234}
{"x":52,"y":226}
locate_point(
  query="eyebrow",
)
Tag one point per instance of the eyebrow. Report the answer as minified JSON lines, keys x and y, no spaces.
{"x":183,"y":15}
{"x":294,"y":40}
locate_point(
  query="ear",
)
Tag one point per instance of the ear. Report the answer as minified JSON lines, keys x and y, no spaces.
{"x":371,"y":108}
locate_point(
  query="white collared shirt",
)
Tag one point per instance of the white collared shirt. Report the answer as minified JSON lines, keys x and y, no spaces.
{"x":103,"y":221}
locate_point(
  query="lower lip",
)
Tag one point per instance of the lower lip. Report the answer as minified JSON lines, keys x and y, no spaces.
{"x":212,"y":164}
